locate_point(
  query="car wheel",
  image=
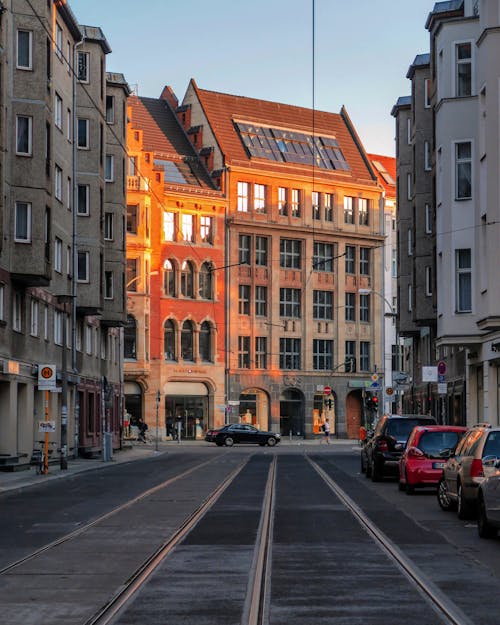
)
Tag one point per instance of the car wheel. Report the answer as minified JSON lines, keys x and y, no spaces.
{"x":463,"y":506}
{"x":375,"y":472}
{"x":363,"y":468}
{"x":401,"y":486}
{"x":410,"y":490}
{"x":368,"y":469}
{"x":228,"y":442}
{"x":443,"y":496}
{"x":484,"y":529}
{"x":271,"y":441}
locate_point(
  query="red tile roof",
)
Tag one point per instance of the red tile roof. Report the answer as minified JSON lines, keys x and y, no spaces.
{"x":222,"y":110}
{"x":389,"y":164}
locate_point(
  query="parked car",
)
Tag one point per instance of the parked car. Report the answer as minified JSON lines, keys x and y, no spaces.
{"x":241,"y":433}
{"x":427,"y":449}
{"x":488,"y":501}
{"x":466,"y":469}
{"x":382,"y":450}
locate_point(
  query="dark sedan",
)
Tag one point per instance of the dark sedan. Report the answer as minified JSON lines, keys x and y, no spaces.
{"x":241,"y":433}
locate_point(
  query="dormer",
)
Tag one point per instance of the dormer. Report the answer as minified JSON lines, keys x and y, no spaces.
{"x":195,"y":134}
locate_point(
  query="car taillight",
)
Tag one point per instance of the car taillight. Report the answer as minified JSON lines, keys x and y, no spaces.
{"x":415,"y":452}
{"x":382,"y":445}
{"x":476,"y":468}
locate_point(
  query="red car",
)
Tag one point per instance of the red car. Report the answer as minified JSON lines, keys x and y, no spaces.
{"x":427,"y":449}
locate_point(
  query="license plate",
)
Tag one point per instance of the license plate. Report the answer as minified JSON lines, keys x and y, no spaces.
{"x":438,"y":465}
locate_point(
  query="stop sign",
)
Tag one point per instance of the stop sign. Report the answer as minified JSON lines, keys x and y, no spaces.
{"x":327,"y":390}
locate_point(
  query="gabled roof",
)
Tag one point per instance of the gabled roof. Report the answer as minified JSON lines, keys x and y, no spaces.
{"x":385,"y":168}
{"x":225,"y":111}
{"x":163,"y":135}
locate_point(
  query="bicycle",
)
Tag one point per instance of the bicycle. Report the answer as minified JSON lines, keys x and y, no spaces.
{"x":37,"y":459}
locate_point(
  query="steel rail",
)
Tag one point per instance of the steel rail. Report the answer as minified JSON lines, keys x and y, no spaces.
{"x":94,"y":522}
{"x":257,"y":592}
{"x":436,"y":599}
{"x":125,"y":594}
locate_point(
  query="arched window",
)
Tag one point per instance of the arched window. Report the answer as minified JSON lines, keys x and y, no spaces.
{"x":130,"y":338}
{"x":187,"y":341}
{"x":169,"y":340}
{"x":169,"y":279}
{"x":205,"y":342}
{"x":205,"y":281}
{"x":187,"y":275}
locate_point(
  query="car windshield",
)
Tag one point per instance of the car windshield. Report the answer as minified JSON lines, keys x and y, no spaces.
{"x":400,"y":429}
{"x":492,"y":446}
{"x":433,"y":443}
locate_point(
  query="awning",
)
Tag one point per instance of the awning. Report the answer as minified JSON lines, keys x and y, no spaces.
{"x":185,"y":388}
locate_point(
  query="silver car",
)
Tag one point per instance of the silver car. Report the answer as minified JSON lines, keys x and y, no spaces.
{"x":464,"y":472}
{"x":488,"y":500}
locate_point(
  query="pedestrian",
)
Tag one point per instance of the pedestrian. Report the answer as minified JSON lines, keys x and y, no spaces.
{"x":142,"y":430}
{"x":326,"y":430}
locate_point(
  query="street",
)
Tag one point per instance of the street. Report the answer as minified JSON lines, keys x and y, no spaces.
{"x":239,"y":535}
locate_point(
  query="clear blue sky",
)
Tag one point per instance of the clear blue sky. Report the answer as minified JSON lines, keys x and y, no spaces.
{"x":263,"y":49}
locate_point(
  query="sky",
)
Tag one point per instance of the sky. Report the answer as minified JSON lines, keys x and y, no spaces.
{"x":360,"y":51}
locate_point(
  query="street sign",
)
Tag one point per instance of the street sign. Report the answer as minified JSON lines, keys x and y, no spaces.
{"x":429,"y":374}
{"x":441,"y":367}
{"x":374,"y":377}
{"x":389,"y":391}
{"x":375,"y":386}
{"x":46,"y":426}
{"x":46,"y":377}
{"x":327,"y":390}
{"x":442,"y":388}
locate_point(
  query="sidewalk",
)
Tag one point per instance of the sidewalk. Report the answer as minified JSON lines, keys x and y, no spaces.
{"x":137,"y":451}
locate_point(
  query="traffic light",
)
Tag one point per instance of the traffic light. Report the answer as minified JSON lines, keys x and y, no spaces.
{"x":368,"y":402}
{"x":374,"y":403}
{"x":371,"y":403}
{"x":329,"y":403}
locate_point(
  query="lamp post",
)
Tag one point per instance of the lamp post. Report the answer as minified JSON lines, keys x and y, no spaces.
{"x":387,"y":362}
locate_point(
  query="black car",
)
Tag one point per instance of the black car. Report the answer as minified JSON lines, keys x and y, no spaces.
{"x":382,"y":450}
{"x":241,"y":433}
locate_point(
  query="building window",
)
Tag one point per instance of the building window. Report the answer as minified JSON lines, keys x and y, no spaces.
{"x":322,"y":355}
{"x":34,"y":318}
{"x":83,"y":199}
{"x":130,"y":338}
{"x":244,"y":352}
{"x":59,"y":40}
{"x":132,"y":166}
{"x":24,"y":135}
{"x":289,"y":353}
{"x":58,"y":330}
{"x":169,"y":281}
{"x":427,"y":156}
{"x":205,"y":281}
{"x":364,"y":356}
{"x":169,"y":340}
{"x":363,"y":212}
{"x":350,"y":302}
{"x":82,"y":69}
{"x":244,"y":249}
{"x":259,"y":198}
{"x":187,"y":279}
{"x":328,"y":203}
{"x":427,"y":93}
{"x":58,"y":183}
{"x":109,"y":170}
{"x":408,"y":131}
{"x":463,"y":64}
{"x":2,"y":302}
{"x":428,"y":280}
{"x":290,"y":254}
{"x":243,"y":197}
{"x":323,"y":305}
{"x":206,"y":229}
{"x":110,"y":109}
{"x":58,"y":107}
{"x":364,"y":261}
{"x":463,"y":263}
{"x":290,"y":300}
{"x":108,"y":226}
{"x":83,"y":267}
{"x":261,"y":352}
{"x":295,"y":205}
{"x":17,"y":312}
{"x":168,"y":226}
{"x":261,"y":245}
{"x":261,"y":301}
{"x":410,"y":242}
{"x":83,"y":134}
{"x":187,"y":227}
{"x":364,"y":308}
{"x":24,"y":50}
{"x":58,"y":247}
{"x":408,"y":187}
{"x":322,"y":257}
{"x":187,"y":341}
{"x":410,"y":298}
{"x":394,"y":263}
{"x":350,"y":356}
{"x":282,"y":201}
{"x":244,"y":299}
{"x":348,"y":210}
{"x":205,"y":342}
{"x":132,"y":218}
{"x":428,"y":219}
{"x":22,"y":222}
{"x":108,"y":285}
{"x":69,"y":193}
{"x":315,"y":205}
{"x":463,"y":170}
{"x":88,"y":339}
{"x":350,"y":259}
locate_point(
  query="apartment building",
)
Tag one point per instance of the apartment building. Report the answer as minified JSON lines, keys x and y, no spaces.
{"x":175,"y":333}
{"x":304,"y":259}
{"x":53,"y":256}
{"x":464,"y":44}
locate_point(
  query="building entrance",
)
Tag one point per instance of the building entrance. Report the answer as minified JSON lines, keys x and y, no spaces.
{"x":292,"y":420}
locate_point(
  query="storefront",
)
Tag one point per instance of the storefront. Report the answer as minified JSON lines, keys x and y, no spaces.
{"x":186,"y":405}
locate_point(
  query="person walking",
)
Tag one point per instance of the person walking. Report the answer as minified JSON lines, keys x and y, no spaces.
{"x":326,"y":430}
{"x":142,"y":430}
